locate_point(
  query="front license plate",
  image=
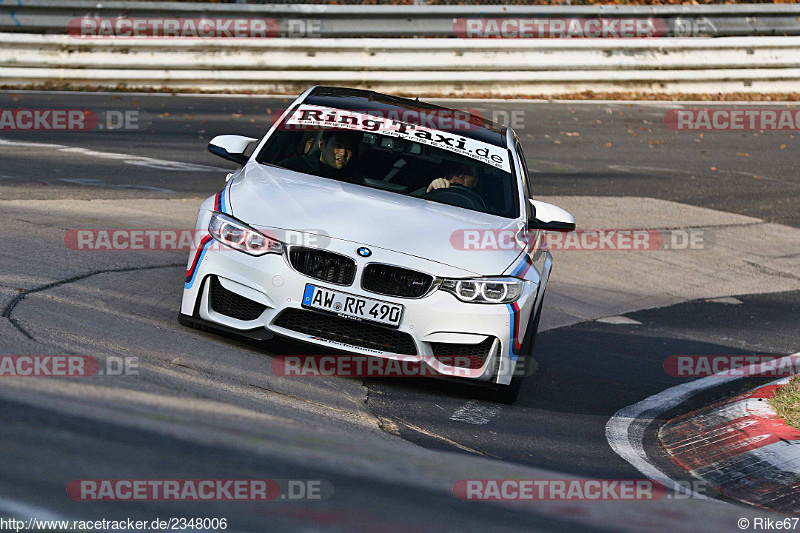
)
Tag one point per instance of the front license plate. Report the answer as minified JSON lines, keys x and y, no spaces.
{"x":352,"y":306}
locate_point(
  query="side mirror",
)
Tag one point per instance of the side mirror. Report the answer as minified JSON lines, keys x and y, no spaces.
{"x":550,"y":217}
{"x":230,"y":147}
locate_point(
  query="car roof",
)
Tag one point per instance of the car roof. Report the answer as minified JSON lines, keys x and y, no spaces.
{"x":479,"y":128}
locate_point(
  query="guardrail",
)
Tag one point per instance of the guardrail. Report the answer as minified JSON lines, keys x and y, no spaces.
{"x":371,"y":46}
{"x":355,"y":21}
{"x":432,"y":66}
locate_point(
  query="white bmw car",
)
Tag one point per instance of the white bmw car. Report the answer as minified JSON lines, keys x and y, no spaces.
{"x":376,"y":225}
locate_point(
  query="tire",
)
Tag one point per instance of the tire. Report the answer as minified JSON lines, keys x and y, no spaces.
{"x":508,"y":394}
{"x":528,"y":343}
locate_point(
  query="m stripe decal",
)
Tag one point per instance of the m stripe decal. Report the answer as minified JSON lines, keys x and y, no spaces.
{"x":523,"y":267}
{"x":514,"y":345}
{"x":198,"y":258}
{"x":219,"y":201}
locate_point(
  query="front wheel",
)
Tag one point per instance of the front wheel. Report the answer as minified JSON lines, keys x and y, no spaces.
{"x":508,"y":394}
{"x":526,"y":364}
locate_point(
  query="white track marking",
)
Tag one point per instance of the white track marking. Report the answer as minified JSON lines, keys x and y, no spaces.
{"x":128,"y":159}
{"x":553,"y":167}
{"x":657,"y":170}
{"x":92,"y":182}
{"x":729,"y":300}
{"x":618,"y":320}
{"x":474,"y":412}
{"x":24,"y":511}
{"x":625,"y":430}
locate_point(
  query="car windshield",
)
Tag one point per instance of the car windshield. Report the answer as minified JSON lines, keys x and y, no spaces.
{"x":439,"y":166}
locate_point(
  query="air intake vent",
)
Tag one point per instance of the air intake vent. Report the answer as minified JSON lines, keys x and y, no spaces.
{"x":471,"y":356}
{"x":323,"y":265}
{"x":231,"y":304}
{"x":395,"y":281}
{"x":334,"y":328}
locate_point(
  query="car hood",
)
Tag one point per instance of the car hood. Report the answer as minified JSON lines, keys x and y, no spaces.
{"x":270,"y":197}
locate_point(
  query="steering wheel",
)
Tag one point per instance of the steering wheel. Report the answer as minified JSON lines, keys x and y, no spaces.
{"x":457,"y":195}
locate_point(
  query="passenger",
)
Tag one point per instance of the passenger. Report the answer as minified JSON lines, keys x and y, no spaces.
{"x":336,"y":159}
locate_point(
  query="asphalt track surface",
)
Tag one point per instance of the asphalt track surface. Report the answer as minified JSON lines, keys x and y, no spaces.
{"x":208,"y":407}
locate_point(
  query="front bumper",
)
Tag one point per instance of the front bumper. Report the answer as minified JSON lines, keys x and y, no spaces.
{"x":432,"y":325}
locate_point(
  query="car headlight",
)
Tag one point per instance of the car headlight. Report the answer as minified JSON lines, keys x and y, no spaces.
{"x":484,"y":290}
{"x":242,"y":237}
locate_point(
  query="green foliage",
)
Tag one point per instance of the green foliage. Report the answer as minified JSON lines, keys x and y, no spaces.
{"x":786,"y":402}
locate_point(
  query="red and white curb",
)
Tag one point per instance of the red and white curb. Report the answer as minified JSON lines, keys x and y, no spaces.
{"x":626,"y":429}
{"x":741,"y":448}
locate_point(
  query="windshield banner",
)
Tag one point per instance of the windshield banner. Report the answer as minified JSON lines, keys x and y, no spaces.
{"x":328,"y":117}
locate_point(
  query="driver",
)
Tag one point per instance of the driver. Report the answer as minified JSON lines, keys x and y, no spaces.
{"x":457,"y":174}
{"x":335,"y":159}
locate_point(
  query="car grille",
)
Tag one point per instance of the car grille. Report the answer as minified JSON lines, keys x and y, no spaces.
{"x":395,"y":281}
{"x":231,"y":304}
{"x":471,"y":356}
{"x":348,"y":331}
{"x":323,"y":265}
